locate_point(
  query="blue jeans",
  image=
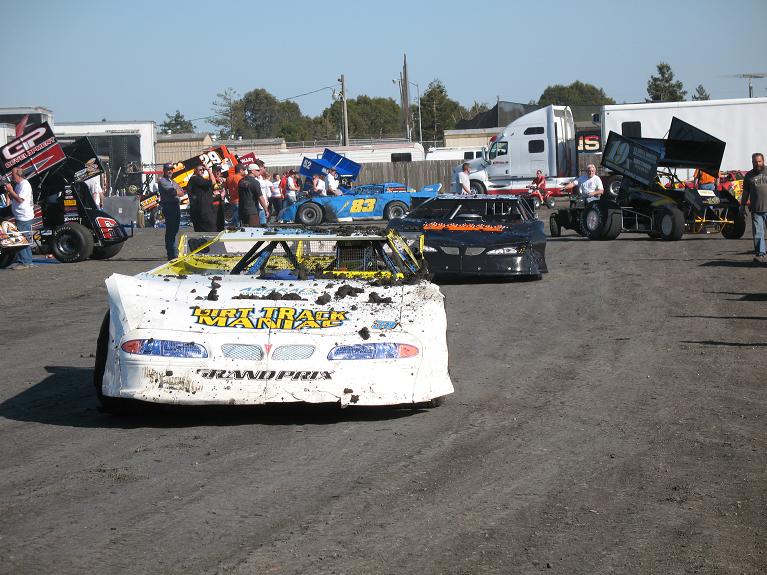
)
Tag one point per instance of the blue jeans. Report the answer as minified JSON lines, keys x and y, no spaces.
{"x":261,"y":216}
{"x":758,"y":222}
{"x":25,"y":255}
{"x":710,"y":186}
{"x":172,"y":213}
{"x":236,"y":215}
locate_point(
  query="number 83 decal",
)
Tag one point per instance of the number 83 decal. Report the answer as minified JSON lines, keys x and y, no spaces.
{"x":363,"y":205}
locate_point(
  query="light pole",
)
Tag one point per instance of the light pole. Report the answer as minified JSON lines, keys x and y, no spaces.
{"x":418,"y":91}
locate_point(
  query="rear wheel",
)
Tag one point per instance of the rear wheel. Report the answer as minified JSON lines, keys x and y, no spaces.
{"x":106,"y":252}
{"x":670,"y":223}
{"x":613,"y":225}
{"x":395,"y":210}
{"x":613,"y":185}
{"x":551,"y":202}
{"x":593,"y":221}
{"x":72,"y":242}
{"x":735,"y":230}
{"x":554,"y":228}
{"x":309,"y":214}
{"x":108,"y":404}
{"x":6,"y":259}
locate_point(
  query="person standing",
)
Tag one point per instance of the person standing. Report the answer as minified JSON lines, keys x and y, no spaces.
{"x":755,"y":190}
{"x":318,"y":186}
{"x":200,"y":192}
{"x":266,"y":194}
{"x":275,"y":202}
{"x":704,"y":181}
{"x":464,"y":184}
{"x":24,"y":211}
{"x":219,"y":193}
{"x":232,"y":183}
{"x":252,"y":199}
{"x":170,"y":192}
{"x":332,"y":183}
{"x":97,"y":192}
{"x":291,"y":189}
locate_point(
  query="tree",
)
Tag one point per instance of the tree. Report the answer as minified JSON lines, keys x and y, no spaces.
{"x":439,"y":112}
{"x":663,"y":88}
{"x":576,"y":94}
{"x":176,"y":124}
{"x":368,"y":117}
{"x":227,"y":114}
{"x":700,"y":93}
{"x":477,"y":108}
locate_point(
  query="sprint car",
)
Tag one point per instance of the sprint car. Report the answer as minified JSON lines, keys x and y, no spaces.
{"x":651,"y":199}
{"x":367,"y":202}
{"x":257,"y":316}
{"x":478,"y":235}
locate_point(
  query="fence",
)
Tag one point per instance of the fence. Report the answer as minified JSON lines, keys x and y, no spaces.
{"x":414,"y":174}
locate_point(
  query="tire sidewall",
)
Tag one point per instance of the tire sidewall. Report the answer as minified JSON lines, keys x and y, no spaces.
{"x":309,"y":207}
{"x":82,"y":240}
{"x":392,"y":206}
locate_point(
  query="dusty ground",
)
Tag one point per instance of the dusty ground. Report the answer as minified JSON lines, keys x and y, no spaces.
{"x":607,"y":419}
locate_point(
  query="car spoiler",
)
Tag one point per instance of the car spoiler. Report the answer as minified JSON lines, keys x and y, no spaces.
{"x":685,"y":147}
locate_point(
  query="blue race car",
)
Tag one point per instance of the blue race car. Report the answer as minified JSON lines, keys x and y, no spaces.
{"x":368,"y":202}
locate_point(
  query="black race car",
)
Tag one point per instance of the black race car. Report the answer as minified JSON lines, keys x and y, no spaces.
{"x":478,"y":235}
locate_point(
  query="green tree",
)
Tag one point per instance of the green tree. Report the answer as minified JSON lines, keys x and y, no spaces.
{"x":663,"y":88}
{"x":439,"y":112}
{"x":176,"y":124}
{"x":576,"y":94}
{"x":477,"y":108}
{"x":368,"y":117}
{"x":227,"y":114}
{"x":700,"y":93}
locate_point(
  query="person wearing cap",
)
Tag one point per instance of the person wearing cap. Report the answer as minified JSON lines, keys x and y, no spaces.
{"x":199,"y":188}
{"x":254,"y":206}
{"x":170,"y":192}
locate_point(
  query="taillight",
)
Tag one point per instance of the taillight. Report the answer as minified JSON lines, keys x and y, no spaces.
{"x":373,"y":351}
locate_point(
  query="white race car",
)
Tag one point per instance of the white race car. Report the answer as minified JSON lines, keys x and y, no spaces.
{"x":259,"y":316}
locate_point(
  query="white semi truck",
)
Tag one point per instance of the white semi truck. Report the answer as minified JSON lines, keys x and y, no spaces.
{"x":545,"y":139}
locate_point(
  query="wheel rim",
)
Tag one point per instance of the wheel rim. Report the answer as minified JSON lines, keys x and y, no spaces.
{"x":396,"y":212}
{"x":666,"y":224}
{"x":592,"y":220}
{"x":310,"y":216}
{"x":66,"y":245}
{"x":615,"y":185}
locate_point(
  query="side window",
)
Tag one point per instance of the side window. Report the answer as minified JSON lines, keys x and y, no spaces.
{"x":402,"y":157}
{"x":535,"y":146}
{"x":503,"y":148}
{"x":533,"y":131}
{"x":493,"y":151}
{"x":631,"y":129}
{"x":468,"y":155}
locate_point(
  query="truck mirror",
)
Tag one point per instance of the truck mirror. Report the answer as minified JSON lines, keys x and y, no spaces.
{"x":595,"y":118}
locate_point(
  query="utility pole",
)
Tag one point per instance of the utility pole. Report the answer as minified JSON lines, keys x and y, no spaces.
{"x":345,"y":135}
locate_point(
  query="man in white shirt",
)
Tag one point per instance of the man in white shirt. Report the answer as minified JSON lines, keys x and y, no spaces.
{"x":291,"y":189}
{"x":332,"y":183}
{"x":464,"y":185}
{"x":24,"y":211}
{"x":590,"y":186}
{"x":318,"y":186}
{"x":97,"y":192}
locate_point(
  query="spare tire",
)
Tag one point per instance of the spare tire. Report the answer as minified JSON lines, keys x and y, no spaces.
{"x":72,"y":242}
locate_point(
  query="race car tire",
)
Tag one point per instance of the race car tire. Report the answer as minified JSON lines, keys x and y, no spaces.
{"x":309,"y":214}
{"x":72,"y":242}
{"x":476,"y":187}
{"x":735,"y":230}
{"x":106,"y":252}
{"x":593,"y":220}
{"x":6,"y":259}
{"x":670,"y":222}
{"x":395,"y":210}
{"x":613,"y":226}
{"x":555,"y":230}
{"x":114,"y":405}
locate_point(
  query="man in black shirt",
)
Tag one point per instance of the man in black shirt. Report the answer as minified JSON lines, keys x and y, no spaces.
{"x":200,"y":191}
{"x":170,"y":192}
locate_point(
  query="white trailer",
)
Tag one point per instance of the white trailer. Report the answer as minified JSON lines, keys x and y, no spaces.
{"x":739,"y":123}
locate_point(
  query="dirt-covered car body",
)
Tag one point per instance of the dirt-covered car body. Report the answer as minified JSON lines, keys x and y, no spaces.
{"x":478,"y":234}
{"x":253,"y":317}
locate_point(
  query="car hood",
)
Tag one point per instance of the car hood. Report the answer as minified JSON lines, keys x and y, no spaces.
{"x":216,"y":304}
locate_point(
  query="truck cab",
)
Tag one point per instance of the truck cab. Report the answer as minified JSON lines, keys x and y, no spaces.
{"x":541,"y":140}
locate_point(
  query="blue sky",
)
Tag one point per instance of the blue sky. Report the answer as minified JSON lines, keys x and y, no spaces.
{"x":137,"y":60}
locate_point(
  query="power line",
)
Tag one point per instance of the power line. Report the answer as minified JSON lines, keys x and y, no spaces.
{"x":312,"y":92}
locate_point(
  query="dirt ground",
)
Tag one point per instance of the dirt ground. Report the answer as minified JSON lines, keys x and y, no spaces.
{"x":607,"y":419}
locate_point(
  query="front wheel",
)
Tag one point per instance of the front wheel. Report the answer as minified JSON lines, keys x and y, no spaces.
{"x":309,"y":214}
{"x":735,"y":230}
{"x":395,"y":210}
{"x":613,"y":186}
{"x":551,"y":203}
{"x":106,"y":252}
{"x":476,"y":187}
{"x":554,"y":228}
{"x":670,"y":223}
{"x":72,"y":242}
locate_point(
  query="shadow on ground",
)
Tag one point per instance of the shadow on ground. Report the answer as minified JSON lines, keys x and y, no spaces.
{"x":67,"y":398}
